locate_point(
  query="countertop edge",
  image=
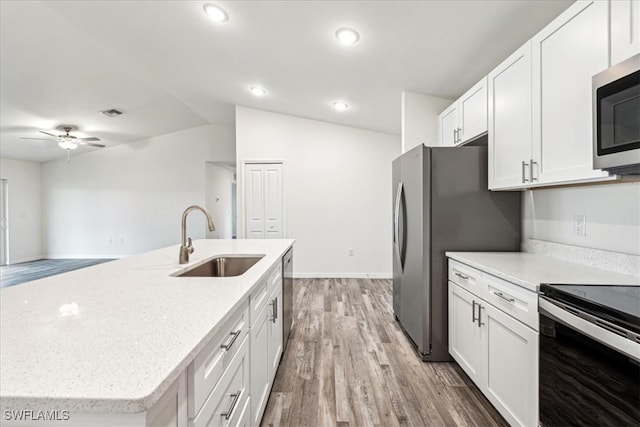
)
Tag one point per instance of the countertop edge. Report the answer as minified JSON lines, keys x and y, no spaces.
{"x":96,"y":406}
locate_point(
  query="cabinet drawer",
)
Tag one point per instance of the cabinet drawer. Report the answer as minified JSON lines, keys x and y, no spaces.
{"x":225,"y":404}
{"x":512,"y":299}
{"x":258,"y":299}
{"x":275,"y":278}
{"x":207,"y":368}
{"x":467,"y":277}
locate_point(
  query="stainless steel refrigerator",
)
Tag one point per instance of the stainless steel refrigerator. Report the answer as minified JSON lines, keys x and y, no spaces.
{"x":441,"y":203}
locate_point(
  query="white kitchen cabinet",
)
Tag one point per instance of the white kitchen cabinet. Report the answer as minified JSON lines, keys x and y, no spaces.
{"x":473,"y":112}
{"x":565,"y":55}
{"x":624,"y":23}
{"x":448,"y":126}
{"x":263,"y":206}
{"x":266,"y":346}
{"x":509,"y":141}
{"x":493,"y":337}
{"x":465,"y":337}
{"x":171,"y":408}
{"x":466,"y":118}
{"x":510,"y":375}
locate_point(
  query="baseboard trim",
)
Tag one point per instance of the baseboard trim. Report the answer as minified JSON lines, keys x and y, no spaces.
{"x":21,"y":260}
{"x":342,"y":276}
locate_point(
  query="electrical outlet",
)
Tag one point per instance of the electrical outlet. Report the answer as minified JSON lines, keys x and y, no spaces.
{"x":122,"y":240}
{"x":580,"y":225}
{"x":111,"y":240}
{"x":351,"y":253}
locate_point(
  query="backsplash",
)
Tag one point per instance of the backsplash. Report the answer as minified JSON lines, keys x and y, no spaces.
{"x":606,"y":260}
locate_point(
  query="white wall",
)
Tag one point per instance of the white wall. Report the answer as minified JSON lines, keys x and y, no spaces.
{"x":420,"y":119}
{"x":129,"y":198}
{"x":24,"y":209}
{"x":218,"y":199}
{"x":612,"y":211}
{"x":337,"y":190}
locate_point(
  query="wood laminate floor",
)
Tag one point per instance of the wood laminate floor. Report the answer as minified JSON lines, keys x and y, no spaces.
{"x":15,"y":274}
{"x":349,"y":364}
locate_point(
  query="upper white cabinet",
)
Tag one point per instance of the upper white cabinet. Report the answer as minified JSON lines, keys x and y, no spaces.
{"x":473,"y":112}
{"x":448,"y":126}
{"x":565,"y":55}
{"x":510,"y":147}
{"x":466,"y":118}
{"x":625,"y":29}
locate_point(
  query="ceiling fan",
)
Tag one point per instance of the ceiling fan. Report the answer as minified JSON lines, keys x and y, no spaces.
{"x":67,"y":141}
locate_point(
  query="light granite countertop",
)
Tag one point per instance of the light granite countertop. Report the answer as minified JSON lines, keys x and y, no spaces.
{"x":115,"y":336}
{"x":530,"y":270}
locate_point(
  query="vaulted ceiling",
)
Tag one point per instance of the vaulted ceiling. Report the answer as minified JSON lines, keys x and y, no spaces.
{"x":168,"y":66}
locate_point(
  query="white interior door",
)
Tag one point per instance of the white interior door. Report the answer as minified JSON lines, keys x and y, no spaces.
{"x":263,"y":201}
{"x":3,"y":222}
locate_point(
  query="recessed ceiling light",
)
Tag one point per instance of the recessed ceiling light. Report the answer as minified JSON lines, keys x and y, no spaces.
{"x":340,"y":105}
{"x":257,"y":91}
{"x":347,"y":36}
{"x":216,"y":12}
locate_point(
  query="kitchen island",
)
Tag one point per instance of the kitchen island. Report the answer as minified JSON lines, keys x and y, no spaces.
{"x":111,"y":340}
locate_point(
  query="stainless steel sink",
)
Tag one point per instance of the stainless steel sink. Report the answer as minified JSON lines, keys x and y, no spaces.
{"x":223,"y":266}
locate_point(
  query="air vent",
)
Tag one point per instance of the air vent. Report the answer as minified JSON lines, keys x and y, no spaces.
{"x":113,"y":112}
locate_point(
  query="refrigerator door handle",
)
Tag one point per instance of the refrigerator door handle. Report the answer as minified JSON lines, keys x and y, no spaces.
{"x":396,"y":226}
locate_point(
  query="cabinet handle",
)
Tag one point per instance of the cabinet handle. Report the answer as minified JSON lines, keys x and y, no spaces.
{"x":462,"y":276}
{"x":275,"y":310}
{"x":473,"y":311}
{"x":455,"y":136}
{"x":459,"y":137}
{"x":531,"y":178}
{"x":227,"y":414}
{"x":501,"y":295}
{"x":235,"y":336}
{"x":524,"y":164}
{"x":480,"y":316}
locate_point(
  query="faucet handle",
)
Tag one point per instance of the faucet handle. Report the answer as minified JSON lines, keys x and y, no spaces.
{"x":189,"y":245}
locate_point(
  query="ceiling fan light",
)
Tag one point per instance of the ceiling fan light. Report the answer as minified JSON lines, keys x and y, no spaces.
{"x":67,"y":145}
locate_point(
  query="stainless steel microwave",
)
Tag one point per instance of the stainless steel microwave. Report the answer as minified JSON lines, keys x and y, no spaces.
{"x":616,"y":118}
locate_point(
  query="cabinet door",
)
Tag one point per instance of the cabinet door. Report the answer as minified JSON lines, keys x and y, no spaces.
{"x":510,"y":377}
{"x":448,"y":125}
{"x":171,"y":408}
{"x":465,"y":336}
{"x":260,"y":364}
{"x":273,"y":201}
{"x":625,"y":29}
{"x":275,"y":334}
{"x":509,"y":103}
{"x":566,"y":54}
{"x":473,"y":112}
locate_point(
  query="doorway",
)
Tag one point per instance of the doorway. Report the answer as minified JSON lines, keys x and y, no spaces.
{"x":220,"y":198}
{"x":4,"y":223}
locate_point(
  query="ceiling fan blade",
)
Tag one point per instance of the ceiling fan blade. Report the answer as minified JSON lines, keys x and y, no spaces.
{"x":92,"y":144}
{"x":50,"y":134}
{"x":92,"y":138}
{"x":40,"y":139}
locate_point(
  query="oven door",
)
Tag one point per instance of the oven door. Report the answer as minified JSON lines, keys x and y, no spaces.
{"x":616,"y":117}
{"x":584,"y":382}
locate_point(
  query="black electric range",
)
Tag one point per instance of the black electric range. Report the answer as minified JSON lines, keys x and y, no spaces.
{"x":589,"y":365}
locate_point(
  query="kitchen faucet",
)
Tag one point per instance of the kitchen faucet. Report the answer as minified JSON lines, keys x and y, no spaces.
{"x":187,"y":248}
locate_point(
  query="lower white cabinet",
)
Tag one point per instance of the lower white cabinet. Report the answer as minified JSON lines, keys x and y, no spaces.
{"x":497,"y":351}
{"x":266,"y":351}
{"x":169,"y":411}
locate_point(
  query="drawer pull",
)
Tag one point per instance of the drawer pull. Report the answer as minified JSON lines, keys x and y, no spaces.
{"x":274,"y":310}
{"x":462,"y":276}
{"x":501,"y":295}
{"x":473,"y":311}
{"x":235,"y":336}
{"x":480,"y":316}
{"x":227,"y":414}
